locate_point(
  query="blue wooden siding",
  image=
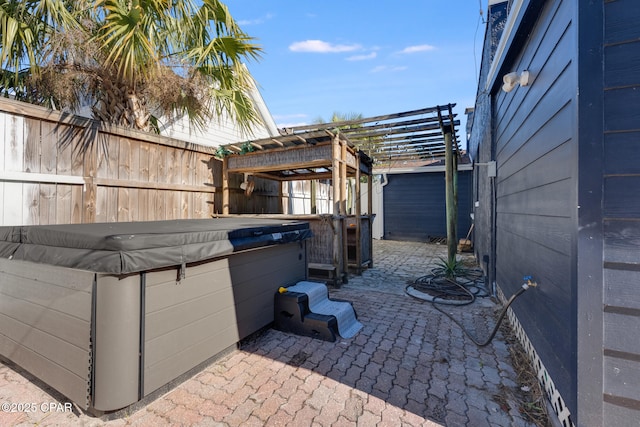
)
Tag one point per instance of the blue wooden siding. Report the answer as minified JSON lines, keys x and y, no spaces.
{"x":480,"y":146}
{"x":536,"y":202}
{"x":568,"y":198}
{"x":621,"y":191}
{"x":414,"y":206}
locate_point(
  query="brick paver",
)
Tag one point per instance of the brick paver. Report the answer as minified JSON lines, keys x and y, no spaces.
{"x":410,"y":365}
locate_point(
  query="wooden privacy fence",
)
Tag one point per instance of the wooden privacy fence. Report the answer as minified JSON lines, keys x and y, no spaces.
{"x":57,"y":168}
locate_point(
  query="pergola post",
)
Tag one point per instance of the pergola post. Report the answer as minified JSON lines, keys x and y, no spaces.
{"x":336,"y":176}
{"x":343,"y":205}
{"x":358,"y":209}
{"x":314,"y":198}
{"x":225,"y":187}
{"x":370,"y":213}
{"x":451,"y":204}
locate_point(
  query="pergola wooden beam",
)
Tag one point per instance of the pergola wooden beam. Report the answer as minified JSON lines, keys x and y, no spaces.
{"x":333,"y":125}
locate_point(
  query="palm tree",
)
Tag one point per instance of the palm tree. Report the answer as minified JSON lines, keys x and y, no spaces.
{"x":131,"y":60}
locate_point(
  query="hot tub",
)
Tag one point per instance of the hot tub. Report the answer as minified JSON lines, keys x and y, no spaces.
{"x":109,"y":313}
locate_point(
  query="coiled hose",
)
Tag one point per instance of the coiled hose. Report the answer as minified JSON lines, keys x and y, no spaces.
{"x":434,"y":300}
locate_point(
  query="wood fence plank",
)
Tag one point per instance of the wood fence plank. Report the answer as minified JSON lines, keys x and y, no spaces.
{"x":134,"y":160}
{"x":154,"y":156}
{"x":142,"y":210}
{"x":31,"y":194}
{"x":77,"y":156}
{"x":112,"y":204}
{"x":13,"y":205}
{"x":49,"y":150}
{"x":65,"y":153}
{"x":14,"y":143}
{"x":77,"y":192}
{"x":63,"y":204}
{"x":173,"y":167}
{"x":102,"y":160}
{"x":134,"y":202}
{"x":161,"y":175}
{"x":124,"y":159}
{"x":113,"y":150}
{"x":123,"y":211}
{"x":161,"y":205}
{"x":171,"y":202}
{"x":198,"y":211}
{"x":101,"y":205}
{"x":186,"y":205}
{"x":90,"y":159}
{"x":143,"y":166}
{"x":187,"y":169}
{"x":32,"y":145}
{"x":47,"y":201}
{"x":152,"y":208}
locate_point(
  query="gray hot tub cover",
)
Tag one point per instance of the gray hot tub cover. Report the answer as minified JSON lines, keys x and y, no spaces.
{"x":129,"y":247}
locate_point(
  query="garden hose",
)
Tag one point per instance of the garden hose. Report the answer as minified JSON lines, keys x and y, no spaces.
{"x":529,"y":283}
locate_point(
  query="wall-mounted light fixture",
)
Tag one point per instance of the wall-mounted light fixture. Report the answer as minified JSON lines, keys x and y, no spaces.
{"x":510,"y":80}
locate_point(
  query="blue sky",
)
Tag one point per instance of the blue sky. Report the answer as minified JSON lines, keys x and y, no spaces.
{"x":366,"y":57}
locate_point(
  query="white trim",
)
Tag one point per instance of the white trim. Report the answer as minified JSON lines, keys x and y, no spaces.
{"x":419,"y":169}
{"x":41,"y":177}
{"x":554,"y":398}
{"x":501,"y":51}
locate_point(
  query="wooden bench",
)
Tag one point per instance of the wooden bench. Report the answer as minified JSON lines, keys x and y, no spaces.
{"x":324,"y":272}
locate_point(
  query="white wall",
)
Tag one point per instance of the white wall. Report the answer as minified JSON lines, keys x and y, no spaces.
{"x":223,"y":130}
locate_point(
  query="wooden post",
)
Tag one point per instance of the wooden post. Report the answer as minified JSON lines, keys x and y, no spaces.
{"x":370,"y":213}
{"x":358,"y":217}
{"x":314,"y":203}
{"x":452,"y":239}
{"x":90,"y":193}
{"x":337,"y":220}
{"x":335,"y":174}
{"x":343,"y":178}
{"x":225,"y":187}
{"x":343,"y":207}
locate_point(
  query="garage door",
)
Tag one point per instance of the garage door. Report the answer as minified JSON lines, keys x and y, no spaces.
{"x":414,"y":206}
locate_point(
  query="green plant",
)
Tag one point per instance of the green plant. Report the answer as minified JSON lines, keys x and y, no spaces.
{"x":221,"y":152}
{"x":448,"y":268}
{"x":246,"y":148}
{"x":128,"y":59}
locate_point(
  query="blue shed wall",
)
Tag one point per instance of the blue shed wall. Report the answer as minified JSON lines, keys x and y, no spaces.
{"x":621,"y":214}
{"x":414,"y":206}
{"x":567,"y":198}
{"x":536,"y":199}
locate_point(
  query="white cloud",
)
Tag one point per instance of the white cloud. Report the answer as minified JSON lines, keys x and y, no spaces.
{"x":290,"y":124}
{"x":371,"y":55}
{"x":289,"y":116}
{"x":319,"y":46}
{"x":417,"y":48}
{"x":256,"y":21}
{"x":387,"y":68}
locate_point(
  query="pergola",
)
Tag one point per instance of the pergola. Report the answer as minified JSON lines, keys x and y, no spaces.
{"x":342,"y":150}
{"x":392,"y":138}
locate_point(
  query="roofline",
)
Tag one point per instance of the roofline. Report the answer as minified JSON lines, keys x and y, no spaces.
{"x":419,"y":169}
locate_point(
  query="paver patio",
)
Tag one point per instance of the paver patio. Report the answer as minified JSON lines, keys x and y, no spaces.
{"x":410,"y":365}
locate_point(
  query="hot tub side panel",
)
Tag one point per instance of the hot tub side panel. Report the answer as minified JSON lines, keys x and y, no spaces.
{"x":117,"y":341}
{"x":45,"y":324}
{"x":257,"y":275}
{"x":217,"y":304}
